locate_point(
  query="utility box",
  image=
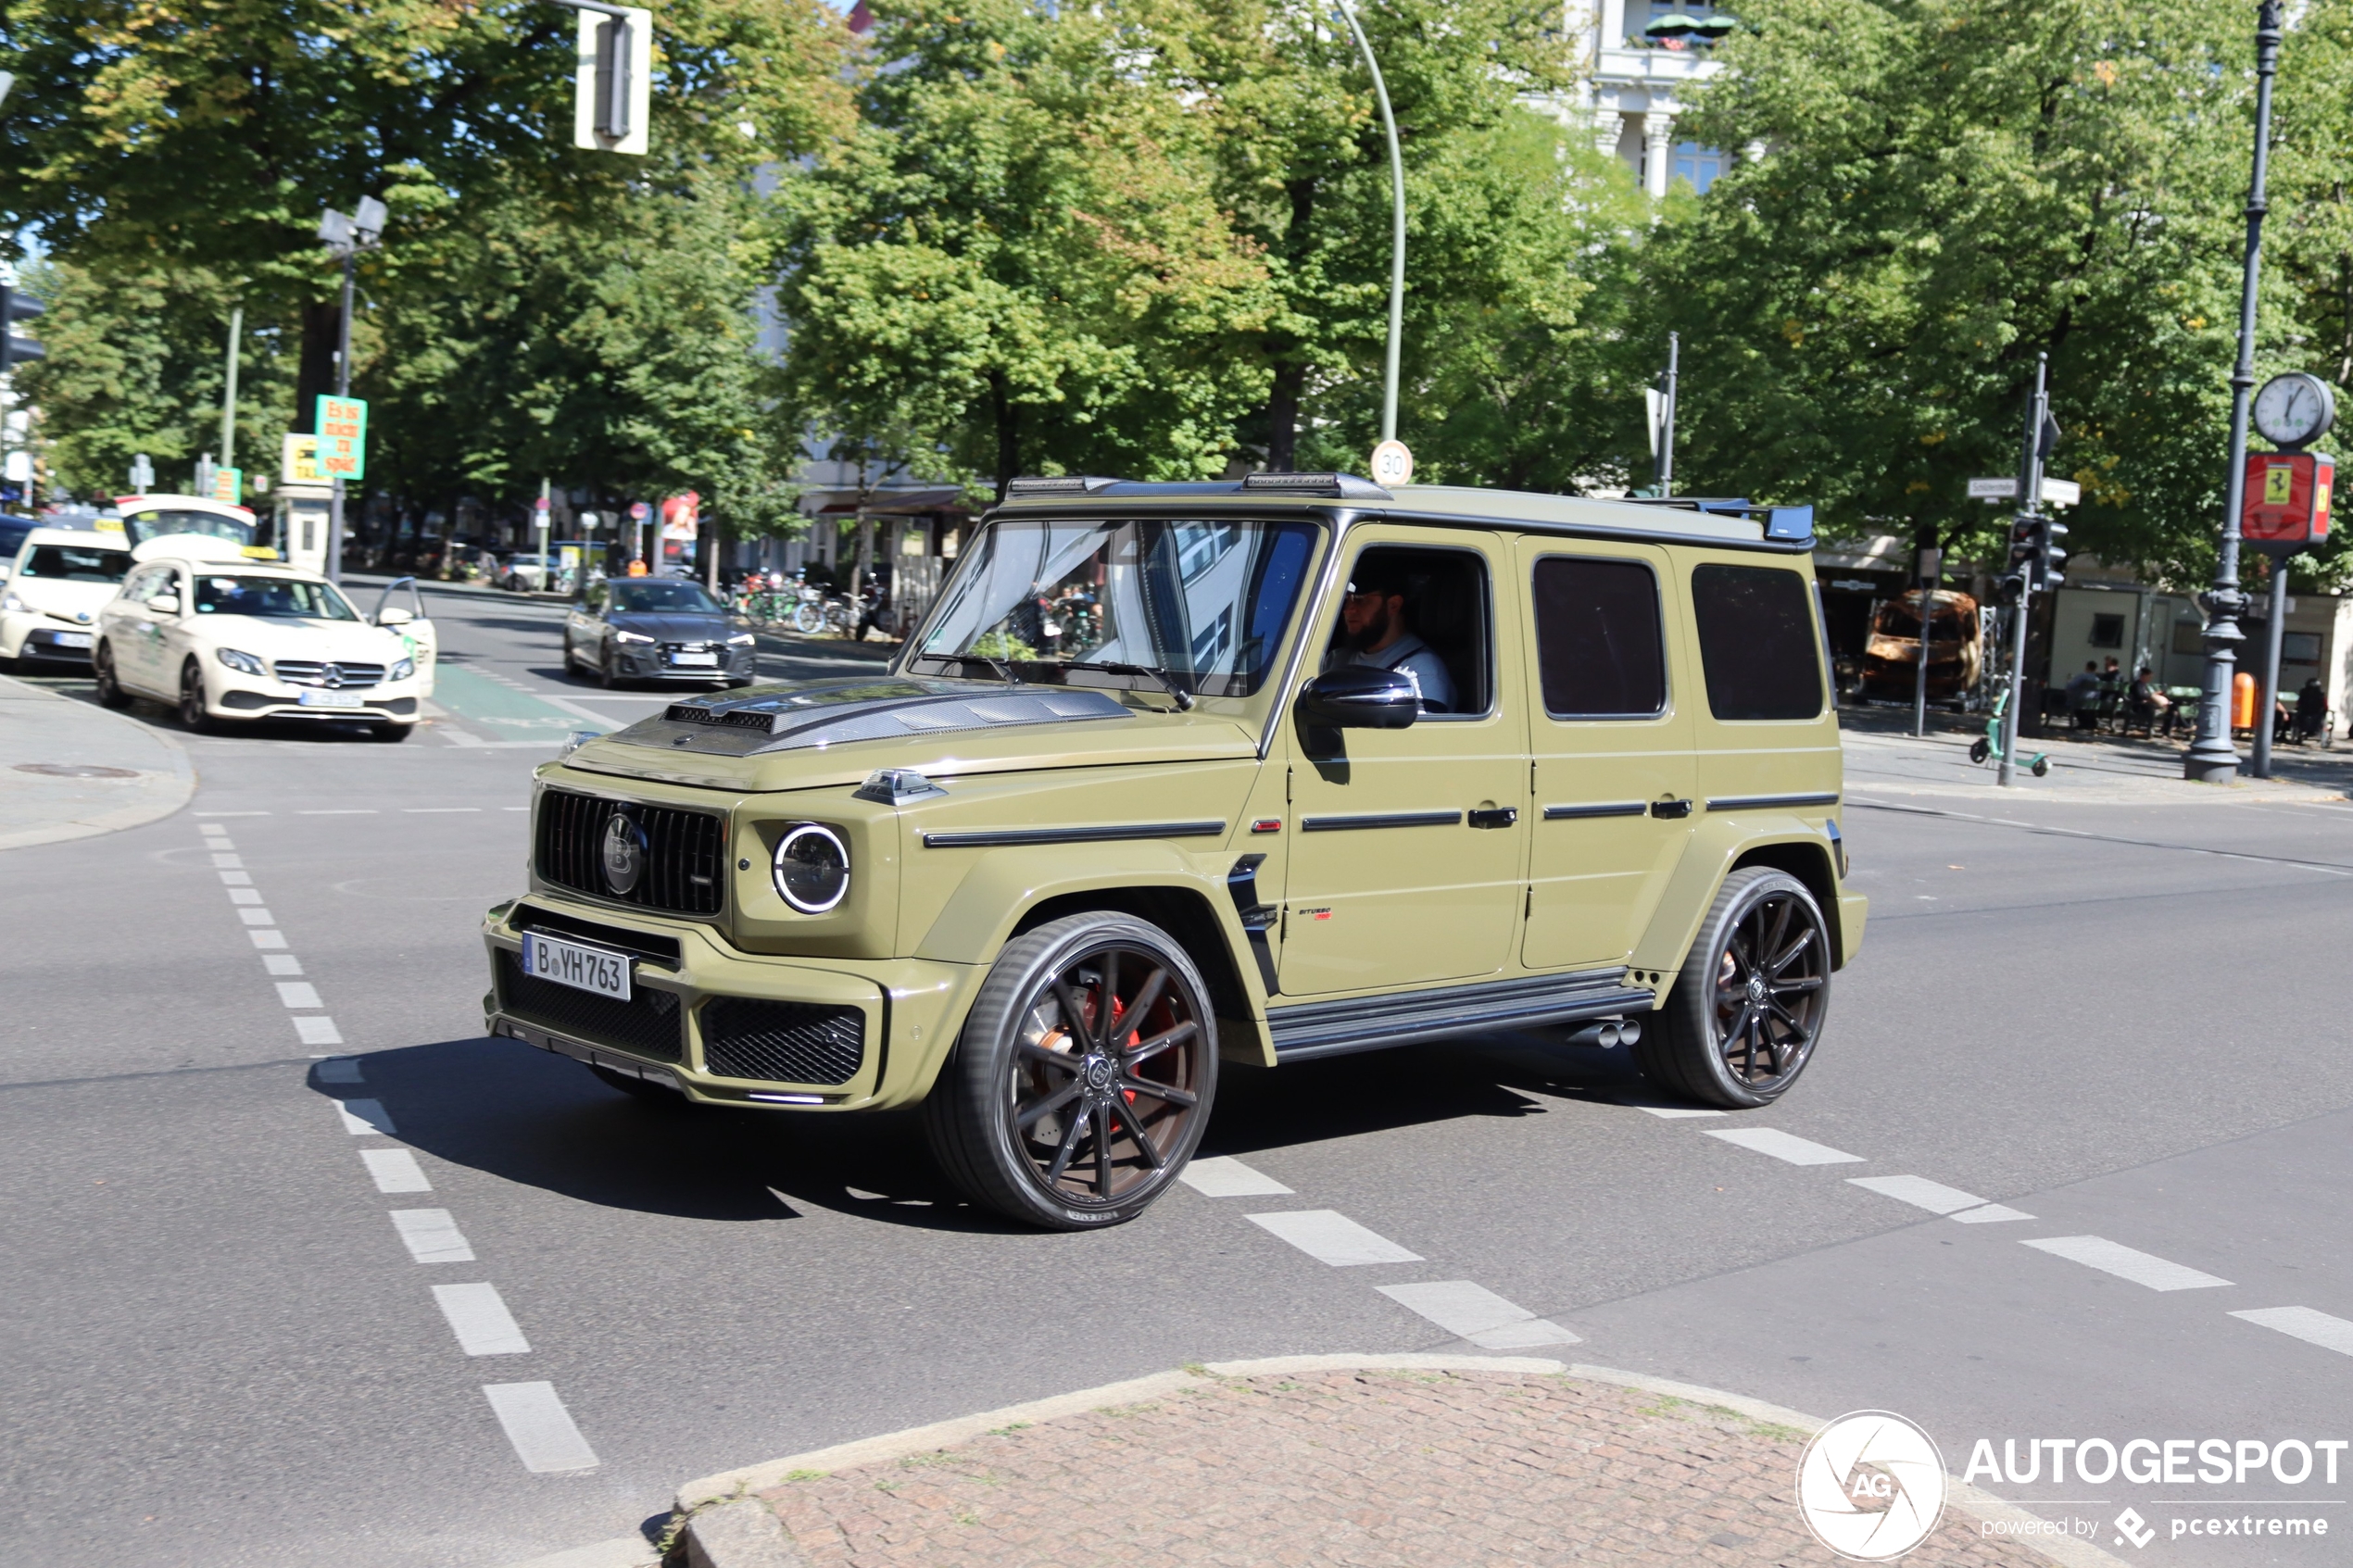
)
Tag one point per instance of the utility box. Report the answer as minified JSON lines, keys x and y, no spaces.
{"x":2286,"y":508}
{"x":302,"y":512}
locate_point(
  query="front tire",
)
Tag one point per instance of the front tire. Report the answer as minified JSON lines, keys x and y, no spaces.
{"x":1084,"y":1077}
{"x":111,"y":691}
{"x":192,"y":708}
{"x":1744,"y":1015}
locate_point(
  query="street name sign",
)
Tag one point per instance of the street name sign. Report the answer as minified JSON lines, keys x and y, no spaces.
{"x":343,"y":437}
{"x":2056,"y":491}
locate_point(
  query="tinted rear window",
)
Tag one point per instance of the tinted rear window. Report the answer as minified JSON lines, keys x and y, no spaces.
{"x":1756,"y":643}
{"x":1598,"y":648}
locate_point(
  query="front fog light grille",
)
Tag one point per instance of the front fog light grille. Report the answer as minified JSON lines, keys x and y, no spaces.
{"x":782,"y":1042}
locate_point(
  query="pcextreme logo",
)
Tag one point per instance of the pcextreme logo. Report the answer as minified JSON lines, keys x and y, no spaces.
{"x":1871,"y":1486}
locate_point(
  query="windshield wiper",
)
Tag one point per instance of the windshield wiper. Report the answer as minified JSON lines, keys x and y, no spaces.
{"x":1004,"y":671}
{"x":1183,"y":699}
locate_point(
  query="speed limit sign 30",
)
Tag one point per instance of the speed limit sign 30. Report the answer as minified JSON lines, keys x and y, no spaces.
{"x":1393,"y":463}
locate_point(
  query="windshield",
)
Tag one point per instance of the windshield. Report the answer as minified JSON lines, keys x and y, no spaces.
{"x":144,"y":526}
{"x":283,"y":597}
{"x":646,"y":597}
{"x":76,"y":563}
{"x":1203,"y":602}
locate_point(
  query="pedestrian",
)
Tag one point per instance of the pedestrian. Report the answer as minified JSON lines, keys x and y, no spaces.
{"x":2084,"y":696}
{"x":2311,"y":709}
{"x":2145,"y":702}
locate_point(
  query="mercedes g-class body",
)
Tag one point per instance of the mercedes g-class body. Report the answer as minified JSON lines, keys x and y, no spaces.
{"x":1259,"y":771}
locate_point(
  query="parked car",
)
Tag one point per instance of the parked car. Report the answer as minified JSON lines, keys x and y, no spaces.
{"x":1342,"y":768}
{"x":225,"y":638}
{"x":524,"y":573}
{"x":56,"y":584}
{"x":654,"y":629}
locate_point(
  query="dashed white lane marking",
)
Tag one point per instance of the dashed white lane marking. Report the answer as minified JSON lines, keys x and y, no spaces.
{"x":365,"y":1116}
{"x":1473,"y":1313}
{"x":539,"y":1427}
{"x":317,"y":1029}
{"x":1221,"y":1175}
{"x":2303,"y":1322}
{"x":1330,"y":1237}
{"x":2141,"y":1268}
{"x":514,"y":807}
{"x":1992,"y":1214}
{"x":282,"y":963}
{"x":1676,"y":1112}
{"x":257,"y":917}
{"x":339,"y":1070}
{"x":232,"y":813}
{"x":228,"y":862}
{"x":432,"y":1235}
{"x":342,"y":811}
{"x":435,"y":810}
{"x":1920,"y":1192}
{"x":1785,"y":1146}
{"x":394,"y":1170}
{"x":235,"y":879}
{"x":480,"y":1320}
{"x":267,"y":939}
{"x":245,"y":896}
{"x":299,"y":994}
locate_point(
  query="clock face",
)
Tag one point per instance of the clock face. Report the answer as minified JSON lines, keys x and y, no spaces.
{"x":2293,"y":409}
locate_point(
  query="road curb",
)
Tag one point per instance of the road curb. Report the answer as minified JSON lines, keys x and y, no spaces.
{"x":160,"y":790}
{"x":739,"y":1537}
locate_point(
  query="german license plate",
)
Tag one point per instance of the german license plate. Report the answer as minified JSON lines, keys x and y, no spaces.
{"x":582,"y":969}
{"x":313,"y":698}
{"x":704,"y":659}
{"x":73,"y":639}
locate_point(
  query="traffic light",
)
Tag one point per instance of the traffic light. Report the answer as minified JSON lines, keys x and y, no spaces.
{"x":2050,"y":555}
{"x":16,"y":306}
{"x":2025,"y":542}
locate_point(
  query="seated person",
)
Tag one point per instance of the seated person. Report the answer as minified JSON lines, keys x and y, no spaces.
{"x":1375,"y":630}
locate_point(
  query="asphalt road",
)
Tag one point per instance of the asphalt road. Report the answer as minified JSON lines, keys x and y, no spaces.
{"x":2122,"y":1021}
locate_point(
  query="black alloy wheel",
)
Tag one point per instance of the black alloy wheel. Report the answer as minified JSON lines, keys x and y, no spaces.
{"x":1084,"y":1077}
{"x":1745,"y":1012}
{"x":111,"y":691}
{"x":191,"y":710}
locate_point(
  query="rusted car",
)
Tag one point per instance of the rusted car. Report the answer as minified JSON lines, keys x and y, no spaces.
{"x":1956,"y":648}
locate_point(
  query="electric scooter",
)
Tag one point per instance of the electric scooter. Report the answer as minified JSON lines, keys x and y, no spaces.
{"x":1988,"y":747}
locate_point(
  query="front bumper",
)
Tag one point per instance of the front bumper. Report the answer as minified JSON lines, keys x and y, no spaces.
{"x":249,"y":697}
{"x":856,"y":1034}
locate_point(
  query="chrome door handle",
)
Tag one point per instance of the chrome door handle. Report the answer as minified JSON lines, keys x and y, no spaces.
{"x":1494,"y":817}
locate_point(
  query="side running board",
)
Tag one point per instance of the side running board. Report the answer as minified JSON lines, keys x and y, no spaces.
{"x":1305,"y":1030}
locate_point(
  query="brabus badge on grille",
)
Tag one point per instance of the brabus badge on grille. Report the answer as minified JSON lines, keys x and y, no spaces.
{"x":623,"y":853}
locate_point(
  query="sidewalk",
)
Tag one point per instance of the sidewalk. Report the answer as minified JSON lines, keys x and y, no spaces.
{"x":1883,"y":759}
{"x":1429,"y":1462}
{"x":72,"y":770}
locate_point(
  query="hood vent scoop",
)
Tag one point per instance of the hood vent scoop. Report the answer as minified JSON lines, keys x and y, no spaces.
{"x":819,"y":713}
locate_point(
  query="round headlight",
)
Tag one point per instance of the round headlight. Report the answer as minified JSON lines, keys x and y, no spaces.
{"x":812,"y":868}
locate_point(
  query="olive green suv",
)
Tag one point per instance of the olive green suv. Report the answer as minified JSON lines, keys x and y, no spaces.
{"x":1174,"y":774}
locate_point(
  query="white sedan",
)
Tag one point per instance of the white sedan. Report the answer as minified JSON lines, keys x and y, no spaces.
{"x":49,"y":602}
{"x":221,"y":636}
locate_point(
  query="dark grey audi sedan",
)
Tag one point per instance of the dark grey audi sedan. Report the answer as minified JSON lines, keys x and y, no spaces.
{"x":657,"y":628}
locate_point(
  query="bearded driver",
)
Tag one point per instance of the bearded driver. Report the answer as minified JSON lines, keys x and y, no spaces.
{"x":1375,"y":631}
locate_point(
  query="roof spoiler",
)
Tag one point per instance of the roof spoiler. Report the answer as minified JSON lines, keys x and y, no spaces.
{"x":1788,"y":525}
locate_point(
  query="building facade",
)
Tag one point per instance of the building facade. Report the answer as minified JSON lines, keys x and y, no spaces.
{"x":1631,"y":88}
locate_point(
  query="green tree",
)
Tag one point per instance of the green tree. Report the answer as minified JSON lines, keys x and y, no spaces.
{"x":1946,"y":190}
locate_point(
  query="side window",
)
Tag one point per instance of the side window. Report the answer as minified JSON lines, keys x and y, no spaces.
{"x":145,"y":583}
{"x":1757,"y":642}
{"x":1424,"y":613}
{"x":1601,"y":652}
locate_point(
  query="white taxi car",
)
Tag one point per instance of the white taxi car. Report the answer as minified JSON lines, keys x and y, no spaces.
{"x":59,"y":581}
{"x":201,"y":624}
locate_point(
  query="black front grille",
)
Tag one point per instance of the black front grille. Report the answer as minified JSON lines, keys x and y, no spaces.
{"x":782,"y":1042}
{"x":647,"y":1025}
{"x":684,"y":852}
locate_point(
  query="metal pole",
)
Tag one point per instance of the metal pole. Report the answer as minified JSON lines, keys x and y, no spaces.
{"x":229,"y":391}
{"x":2212,"y":757}
{"x":1931,"y":569}
{"x":2269,"y":701}
{"x":343,"y":389}
{"x":2030,"y":490}
{"x":1396,"y":230}
{"x":1666,"y":420}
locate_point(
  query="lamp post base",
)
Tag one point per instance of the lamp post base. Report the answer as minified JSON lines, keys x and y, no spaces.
{"x":2220,"y":766}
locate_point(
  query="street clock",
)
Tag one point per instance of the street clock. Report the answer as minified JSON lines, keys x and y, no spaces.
{"x":2295,"y":411}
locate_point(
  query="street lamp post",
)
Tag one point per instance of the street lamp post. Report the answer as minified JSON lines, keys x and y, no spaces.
{"x":2212,"y":757}
{"x":1396,"y":227}
{"x":345,"y":238}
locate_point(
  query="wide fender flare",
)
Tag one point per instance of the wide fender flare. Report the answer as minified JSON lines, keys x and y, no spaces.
{"x":1716,"y":845}
{"x":979,"y":917}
